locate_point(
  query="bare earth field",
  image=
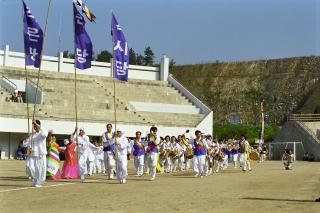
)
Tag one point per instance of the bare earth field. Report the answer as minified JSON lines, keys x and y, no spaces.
{"x":268,"y":188}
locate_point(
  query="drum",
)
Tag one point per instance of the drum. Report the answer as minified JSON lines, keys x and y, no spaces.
{"x":254,"y":155}
{"x":189,"y":153}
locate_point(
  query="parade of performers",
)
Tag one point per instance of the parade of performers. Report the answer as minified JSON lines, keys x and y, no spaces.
{"x":152,"y":154}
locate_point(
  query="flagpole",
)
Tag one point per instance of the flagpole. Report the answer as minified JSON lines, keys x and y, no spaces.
{"x":262,"y":121}
{"x":75,"y":88}
{"x":114,"y":80}
{"x":60,"y":22}
{"x":26,"y":75}
{"x":114,"y":93}
{"x":41,"y":55}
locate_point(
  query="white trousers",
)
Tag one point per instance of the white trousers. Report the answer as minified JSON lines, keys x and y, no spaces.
{"x":174,"y":164}
{"x":37,"y":169}
{"x":235,"y":159}
{"x":180,"y":163}
{"x":99,"y":166}
{"x":225,"y":162}
{"x":121,"y":167}
{"x":243,"y":161}
{"x":82,"y":165}
{"x":109,"y":163}
{"x":152,"y":163}
{"x":199,"y":164}
{"x":138,"y":164}
{"x":167,"y":164}
{"x":91,"y":166}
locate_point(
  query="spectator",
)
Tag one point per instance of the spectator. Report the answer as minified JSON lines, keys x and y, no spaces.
{"x":311,"y":157}
{"x":20,"y":99}
{"x":22,"y":152}
{"x":306,"y":156}
{"x":16,"y":96}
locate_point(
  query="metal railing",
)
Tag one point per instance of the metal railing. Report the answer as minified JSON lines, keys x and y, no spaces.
{"x":7,"y":84}
{"x":304,"y":117}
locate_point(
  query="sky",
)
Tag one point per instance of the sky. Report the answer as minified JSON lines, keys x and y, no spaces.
{"x":188,"y":31}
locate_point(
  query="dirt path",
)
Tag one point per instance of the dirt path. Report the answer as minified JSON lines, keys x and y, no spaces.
{"x":268,"y":188}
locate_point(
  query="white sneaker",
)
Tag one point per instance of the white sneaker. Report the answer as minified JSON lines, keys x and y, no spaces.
{"x":124,"y":181}
{"x":152,"y":178}
{"x":201,"y":176}
{"x":196,"y":175}
{"x":37,"y":185}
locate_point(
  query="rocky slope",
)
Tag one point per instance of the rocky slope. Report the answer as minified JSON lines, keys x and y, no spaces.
{"x":234,"y":90}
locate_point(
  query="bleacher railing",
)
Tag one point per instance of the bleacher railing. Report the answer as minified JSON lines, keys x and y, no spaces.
{"x":304,"y":117}
{"x":7,"y":84}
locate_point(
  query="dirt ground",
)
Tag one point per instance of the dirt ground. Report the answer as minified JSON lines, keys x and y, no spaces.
{"x":268,"y":188}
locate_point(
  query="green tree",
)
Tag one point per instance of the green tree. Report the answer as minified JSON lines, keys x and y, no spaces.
{"x":139,"y":59}
{"x":172,"y":63}
{"x":71,"y":55}
{"x":132,"y":56}
{"x":317,"y":110}
{"x":148,"y":56}
{"x":66,"y":54}
{"x":104,"y":56}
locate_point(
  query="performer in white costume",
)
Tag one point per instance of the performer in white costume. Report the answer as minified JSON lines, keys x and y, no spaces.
{"x":243,"y":150}
{"x":122,"y":149}
{"x":36,"y":144}
{"x":199,"y":148}
{"x":99,"y":159}
{"x":138,"y":148}
{"x":152,"y":141}
{"x":108,"y":148}
{"x":84,"y":147}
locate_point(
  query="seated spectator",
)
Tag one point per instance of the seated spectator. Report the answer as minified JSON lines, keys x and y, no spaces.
{"x":20,"y":99}
{"x":306,"y":156}
{"x":311,"y":157}
{"x":22,"y":152}
{"x":14,"y":96}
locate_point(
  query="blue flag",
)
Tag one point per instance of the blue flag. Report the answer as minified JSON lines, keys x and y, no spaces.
{"x":83,"y":45}
{"x":120,"y":51}
{"x":33,"y":38}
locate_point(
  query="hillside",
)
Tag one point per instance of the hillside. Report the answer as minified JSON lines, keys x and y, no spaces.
{"x":233,"y":90}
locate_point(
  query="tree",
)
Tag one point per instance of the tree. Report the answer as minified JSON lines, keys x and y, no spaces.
{"x":172,"y":63}
{"x":104,"y":56}
{"x":65,"y":54}
{"x":132,"y":56}
{"x":148,"y":56}
{"x":139,"y":59}
{"x":71,"y":55}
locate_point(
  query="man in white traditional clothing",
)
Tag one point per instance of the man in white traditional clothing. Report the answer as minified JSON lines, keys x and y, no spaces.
{"x":199,"y":148}
{"x":122,"y":148}
{"x":108,"y":148}
{"x":37,"y":161}
{"x":84,"y":146}
{"x":243,"y":153}
{"x":152,"y":141}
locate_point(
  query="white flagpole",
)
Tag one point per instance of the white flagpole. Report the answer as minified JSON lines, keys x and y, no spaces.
{"x":75,"y":88}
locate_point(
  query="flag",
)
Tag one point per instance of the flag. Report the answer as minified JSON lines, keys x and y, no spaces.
{"x":262,"y":122}
{"x":85,"y":10}
{"x":33,"y":38}
{"x":83,"y":46}
{"x":120,"y":51}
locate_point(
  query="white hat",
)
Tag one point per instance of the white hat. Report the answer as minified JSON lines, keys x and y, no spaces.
{"x":81,"y":129}
{"x":120,"y":130}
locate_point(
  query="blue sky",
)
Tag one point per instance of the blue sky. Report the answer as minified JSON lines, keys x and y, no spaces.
{"x":189,"y":31}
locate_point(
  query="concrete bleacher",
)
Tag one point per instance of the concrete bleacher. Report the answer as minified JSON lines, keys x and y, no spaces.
{"x":298,"y":131}
{"x":313,"y":126}
{"x":95,"y":100}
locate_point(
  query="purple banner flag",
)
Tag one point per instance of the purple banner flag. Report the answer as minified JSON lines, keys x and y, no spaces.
{"x":33,"y":38}
{"x":120,"y":51}
{"x":83,"y":45}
